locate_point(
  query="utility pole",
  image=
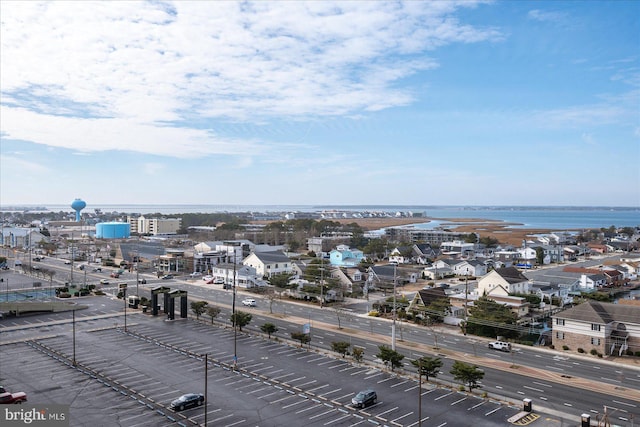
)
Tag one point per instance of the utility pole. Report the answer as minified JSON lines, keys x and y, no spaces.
{"x":466,"y":302}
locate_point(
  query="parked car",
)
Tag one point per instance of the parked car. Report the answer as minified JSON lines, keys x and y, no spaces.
{"x":67,"y":261}
{"x":142,"y":281}
{"x":500,"y":345}
{"x":364,"y":398}
{"x":218,"y":281}
{"x":115,"y":275}
{"x":207,"y":278}
{"x":97,"y":270}
{"x":167,"y":277}
{"x":249,"y":302}
{"x":10,"y":398}
{"x":187,"y":401}
{"x":104,"y":282}
{"x":195,"y":274}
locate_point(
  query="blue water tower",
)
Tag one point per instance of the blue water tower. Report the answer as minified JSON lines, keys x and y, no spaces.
{"x":77,"y":205}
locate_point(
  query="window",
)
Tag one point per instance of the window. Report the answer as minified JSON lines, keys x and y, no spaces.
{"x":595,"y":327}
{"x":595,"y":341}
{"x":560,"y":335}
{"x":560,"y":322}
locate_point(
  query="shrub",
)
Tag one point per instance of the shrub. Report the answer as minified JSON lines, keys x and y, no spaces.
{"x":629,"y":352}
{"x":637,"y":353}
{"x":552,"y":346}
{"x":565,"y":347}
{"x":374,"y":313}
{"x":580,"y":350}
{"x":64,"y":295}
{"x":593,"y":351}
{"x":600,"y":355}
{"x":99,"y":293}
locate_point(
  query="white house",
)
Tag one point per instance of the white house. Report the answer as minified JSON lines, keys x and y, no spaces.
{"x":269,"y":263}
{"x":470,"y":268}
{"x":502,"y":282}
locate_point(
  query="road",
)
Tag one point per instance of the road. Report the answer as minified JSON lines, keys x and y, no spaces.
{"x":557,"y":394}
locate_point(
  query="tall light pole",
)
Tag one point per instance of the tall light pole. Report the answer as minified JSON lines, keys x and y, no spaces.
{"x":321,"y":278}
{"x":74,"y":337}
{"x":393,"y":325}
{"x":233,"y":315}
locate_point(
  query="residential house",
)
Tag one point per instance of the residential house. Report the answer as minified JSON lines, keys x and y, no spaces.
{"x":457,"y":249}
{"x":245,"y":276}
{"x":435,"y":273}
{"x":343,"y":256}
{"x":328,"y":240}
{"x":424,"y":253}
{"x":591,"y":282}
{"x":503,"y":282}
{"x":552,"y":291}
{"x":527,"y":257}
{"x":401,"y":255}
{"x":425,"y":297}
{"x":607,"y":328}
{"x":505,"y":258}
{"x":268,"y":264}
{"x":518,"y":305}
{"x":470,"y":268}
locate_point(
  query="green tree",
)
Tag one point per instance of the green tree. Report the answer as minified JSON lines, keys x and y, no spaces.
{"x":428,"y":366}
{"x":539,"y":256}
{"x":390,"y":357}
{"x":466,"y":374}
{"x":269,"y":328}
{"x":213,"y":312}
{"x":198,"y":308}
{"x":241,"y":319}
{"x":280,"y":281}
{"x":340,"y":347}
{"x":299,"y":336}
{"x":488,"y":318}
{"x":358,"y":354}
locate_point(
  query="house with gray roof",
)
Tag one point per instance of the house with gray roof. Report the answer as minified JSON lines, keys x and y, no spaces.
{"x":608,"y":328}
{"x":267,"y":264}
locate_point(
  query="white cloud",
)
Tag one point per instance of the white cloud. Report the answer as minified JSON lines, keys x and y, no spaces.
{"x":153,"y":168}
{"x":546,"y":16}
{"x":118,"y":72}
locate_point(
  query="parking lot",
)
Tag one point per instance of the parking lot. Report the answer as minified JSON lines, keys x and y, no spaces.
{"x":129,"y":378}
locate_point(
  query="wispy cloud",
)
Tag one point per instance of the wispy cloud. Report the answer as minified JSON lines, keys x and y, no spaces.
{"x":547,"y":16}
{"x":139,"y":76}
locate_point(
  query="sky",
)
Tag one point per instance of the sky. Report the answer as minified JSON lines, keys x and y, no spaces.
{"x":308,"y":103}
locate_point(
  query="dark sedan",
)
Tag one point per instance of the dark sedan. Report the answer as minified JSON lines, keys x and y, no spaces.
{"x":187,"y":401}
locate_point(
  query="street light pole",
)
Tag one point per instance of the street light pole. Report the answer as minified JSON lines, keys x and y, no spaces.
{"x":74,"y":337}
{"x":321,"y":279}
{"x":393,"y":325}
{"x":420,"y":392}
{"x":233,"y":315}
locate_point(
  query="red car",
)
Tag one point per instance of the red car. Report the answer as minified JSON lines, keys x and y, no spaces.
{"x":9,"y":398}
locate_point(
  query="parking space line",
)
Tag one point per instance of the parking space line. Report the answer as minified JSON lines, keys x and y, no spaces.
{"x":236,"y":423}
{"x":404,"y":416}
{"x":293,"y":404}
{"x":313,"y":406}
{"x":337,"y":419}
{"x":323,"y":413}
{"x":382,"y":381}
{"x":329,"y":392}
{"x":400,"y":383}
{"x":443,"y":396}
{"x":458,"y":401}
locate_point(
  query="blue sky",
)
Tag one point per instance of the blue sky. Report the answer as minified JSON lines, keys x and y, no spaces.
{"x":303,"y":103}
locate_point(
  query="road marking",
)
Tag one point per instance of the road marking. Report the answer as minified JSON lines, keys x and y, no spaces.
{"x":321,"y":414}
{"x":443,"y":396}
{"x":399,"y":418}
{"x":337,"y":419}
{"x":625,"y":403}
{"x":400,"y":383}
{"x":306,"y":409}
{"x":458,"y":401}
{"x":386,"y":412}
{"x":329,"y":392}
{"x":294,"y":404}
{"x":533,"y":388}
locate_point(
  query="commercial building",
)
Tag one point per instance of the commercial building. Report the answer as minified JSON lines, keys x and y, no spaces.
{"x":154,"y":226}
